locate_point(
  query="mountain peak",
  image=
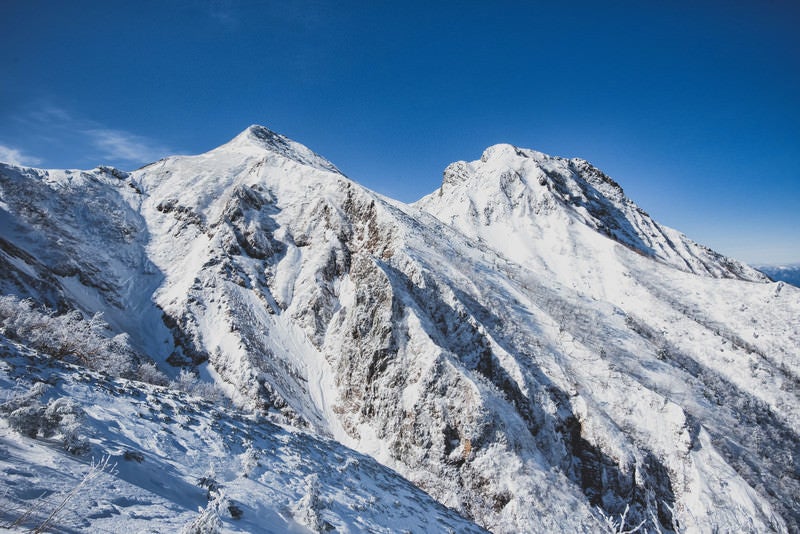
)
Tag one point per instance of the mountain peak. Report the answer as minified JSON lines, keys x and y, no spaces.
{"x":262,"y":135}
{"x":262,"y":138}
{"x":502,"y":156}
{"x":505,"y":151}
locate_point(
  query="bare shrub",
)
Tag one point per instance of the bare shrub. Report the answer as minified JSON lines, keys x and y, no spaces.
{"x":95,"y":470}
{"x":613,"y":526}
{"x":36,"y":508}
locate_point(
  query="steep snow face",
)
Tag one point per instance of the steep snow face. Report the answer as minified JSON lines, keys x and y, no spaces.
{"x":75,"y":239}
{"x":525,"y":344}
{"x":224,"y":232}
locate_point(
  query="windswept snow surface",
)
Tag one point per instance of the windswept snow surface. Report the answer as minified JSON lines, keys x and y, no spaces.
{"x":525,"y":344}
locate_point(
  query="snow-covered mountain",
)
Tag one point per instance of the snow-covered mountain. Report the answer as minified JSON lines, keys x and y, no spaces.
{"x":537,"y":209}
{"x":525,"y":344}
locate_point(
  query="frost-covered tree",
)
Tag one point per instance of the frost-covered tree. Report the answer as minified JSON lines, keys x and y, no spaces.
{"x":60,"y":418}
{"x":208,"y":521}
{"x":309,"y":508}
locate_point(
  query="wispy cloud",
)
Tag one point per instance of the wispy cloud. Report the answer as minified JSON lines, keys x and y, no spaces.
{"x":48,"y":113}
{"x":17,"y":157}
{"x":63,"y":130}
{"x":118,"y":144}
{"x":224,"y":12}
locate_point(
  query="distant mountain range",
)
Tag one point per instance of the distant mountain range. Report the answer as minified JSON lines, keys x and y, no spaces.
{"x":525,"y":345}
{"x":785,"y":273}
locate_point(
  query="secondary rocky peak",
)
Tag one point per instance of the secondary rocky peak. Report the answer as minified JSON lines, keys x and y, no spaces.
{"x":513,"y":190}
{"x":506,"y":151}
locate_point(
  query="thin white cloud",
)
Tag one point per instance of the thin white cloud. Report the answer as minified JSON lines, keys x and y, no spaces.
{"x":48,"y":113}
{"x":121,"y":145}
{"x":93,"y":142}
{"x":224,"y":13}
{"x":17,"y":157}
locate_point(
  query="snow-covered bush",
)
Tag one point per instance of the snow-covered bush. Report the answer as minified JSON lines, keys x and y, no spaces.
{"x":60,"y":417}
{"x":148,"y":372}
{"x":308,"y":510}
{"x":190,"y":383}
{"x":71,"y":336}
{"x":23,"y":411}
{"x":64,"y":417}
{"x":27,"y":419}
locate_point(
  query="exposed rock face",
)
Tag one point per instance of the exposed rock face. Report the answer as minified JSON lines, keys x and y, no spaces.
{"x":525,"y":344}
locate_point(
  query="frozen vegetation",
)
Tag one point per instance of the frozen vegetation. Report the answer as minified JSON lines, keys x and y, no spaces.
{"x":525,"y":345}
{"x":172,"y":462}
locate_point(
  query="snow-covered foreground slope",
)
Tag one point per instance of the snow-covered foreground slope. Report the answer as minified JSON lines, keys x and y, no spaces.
{"x":175,"y":460}
{"x":525,"y":344}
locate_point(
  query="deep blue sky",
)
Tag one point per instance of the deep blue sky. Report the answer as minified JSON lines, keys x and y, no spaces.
{"x":692,"y":106}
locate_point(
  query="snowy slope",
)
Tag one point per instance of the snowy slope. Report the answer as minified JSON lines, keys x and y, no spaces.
{"x":76,"y":239}
{"x":172,"y":458}
{"x":525,"y":344}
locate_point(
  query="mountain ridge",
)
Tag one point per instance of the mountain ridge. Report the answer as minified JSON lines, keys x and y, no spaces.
{"x":525,"y":344}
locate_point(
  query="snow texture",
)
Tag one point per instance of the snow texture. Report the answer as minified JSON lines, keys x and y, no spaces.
{"x":177,"y":463}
